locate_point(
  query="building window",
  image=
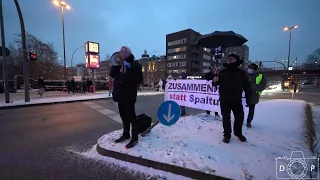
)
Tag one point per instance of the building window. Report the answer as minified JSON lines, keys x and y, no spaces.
{"x":207,"y":50}
{"x":183,"y":63}
{"x":177,"y":42}
{"x":206,"y":57}
{"x":183,"y":56}
{"x":205,"y":64}
{"x":176,"y":57}
{"x":180,"y":49}
{"x":169,"y":58}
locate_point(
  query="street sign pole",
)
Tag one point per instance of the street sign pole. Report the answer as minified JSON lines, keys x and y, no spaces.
{"x":93,"y":82}
{"x":4,"y":57}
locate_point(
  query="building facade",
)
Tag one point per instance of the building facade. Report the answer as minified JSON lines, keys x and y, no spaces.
{"x":103,"y":71}
{"x":71,"y":71}
{"x":241,"y":51}
{"x":82,"y":71}
{"x":183,"y":55}
{"x":153,"y":68}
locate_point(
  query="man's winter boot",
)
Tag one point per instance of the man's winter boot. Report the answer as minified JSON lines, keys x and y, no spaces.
{"x":249,"y":124}
{"x":226,"y":139}
{"x":132,"y":143}
{"x":121,"y":139}
{"x":242,"y":138}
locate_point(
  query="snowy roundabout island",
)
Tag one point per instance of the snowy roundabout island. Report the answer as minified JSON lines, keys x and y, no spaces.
{"x":194,"y":144}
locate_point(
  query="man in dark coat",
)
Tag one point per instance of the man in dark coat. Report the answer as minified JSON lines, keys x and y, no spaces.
{"x":258,"y":84}
{"x":126,"y":81}
{"x":232,"y":81}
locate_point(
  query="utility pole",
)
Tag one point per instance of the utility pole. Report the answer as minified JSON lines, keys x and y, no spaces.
{"x":24,"y":54}
{"x":4,"y":57}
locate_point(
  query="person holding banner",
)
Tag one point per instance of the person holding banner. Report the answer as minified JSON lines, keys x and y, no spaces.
{"x":209,"y":76}
{"x":183,"y":75}
{"x":127,"y":77}
{"x":258,"y":84}
{"x":232,"y":81}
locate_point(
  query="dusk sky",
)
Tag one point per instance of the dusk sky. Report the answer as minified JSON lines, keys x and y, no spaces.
{"x":143,"y":24}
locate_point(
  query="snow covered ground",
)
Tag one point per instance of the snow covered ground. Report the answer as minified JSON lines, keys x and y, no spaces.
{"x":194,"y":142}
{"x":149,"y":172}
{"x":316,"y":117}
{"x":45,"y":100}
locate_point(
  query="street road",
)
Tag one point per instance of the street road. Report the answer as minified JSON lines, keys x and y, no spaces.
{"x":34,"y":140}
{"x":308,"y":93}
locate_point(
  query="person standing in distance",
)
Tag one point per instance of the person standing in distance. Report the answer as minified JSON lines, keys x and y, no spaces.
{"x":126,"y":81}
{"x":232,"y":81}
{"x":258,"y":84}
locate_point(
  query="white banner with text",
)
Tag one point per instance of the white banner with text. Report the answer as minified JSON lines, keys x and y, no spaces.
{"x":199,"y":94}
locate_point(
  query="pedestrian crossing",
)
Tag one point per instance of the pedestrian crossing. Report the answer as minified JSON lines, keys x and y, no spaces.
{"x":107,"y":112}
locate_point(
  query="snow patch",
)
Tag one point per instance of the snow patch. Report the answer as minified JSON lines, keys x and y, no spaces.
{"x":92,"y":154}
{"x":194,"y":142}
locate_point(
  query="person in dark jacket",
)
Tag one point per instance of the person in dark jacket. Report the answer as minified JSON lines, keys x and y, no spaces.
{"x":126,"y":81}
{"x":209,"y":76}
{"x":183,"y":75}
{"x":73,"y":85}
{"x":41,"y":86}
{"x":232,"y":81}
{"x":258,"y":84}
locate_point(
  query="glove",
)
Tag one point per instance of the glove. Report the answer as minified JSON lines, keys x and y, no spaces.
{"x":127,"y":65}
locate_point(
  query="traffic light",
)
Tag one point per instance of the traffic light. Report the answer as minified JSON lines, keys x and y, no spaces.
{"x":32,"y":56}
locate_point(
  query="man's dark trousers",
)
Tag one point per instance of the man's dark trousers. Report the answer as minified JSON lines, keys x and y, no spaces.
{"x":251,"y":112}
{"x":238,"y":113}
{"x":128,"y":115}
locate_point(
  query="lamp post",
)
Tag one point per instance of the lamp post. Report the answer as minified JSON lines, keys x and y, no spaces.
{"x":24,"y":53}
{"x":290,"y":30}
{"x":72,"y":58}
{"x":63,"y":6}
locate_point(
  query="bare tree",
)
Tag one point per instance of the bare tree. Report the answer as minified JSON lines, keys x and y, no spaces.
{"x":46,"y":64}
{"x":108,"y":57}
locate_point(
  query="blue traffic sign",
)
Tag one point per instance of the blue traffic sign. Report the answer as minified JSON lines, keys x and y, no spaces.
{"x":169,"y":113}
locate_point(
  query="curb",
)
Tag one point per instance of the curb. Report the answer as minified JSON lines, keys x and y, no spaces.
{"x":158,"y":165}
{"x":61,"y":102}
{"x":49,"y":103}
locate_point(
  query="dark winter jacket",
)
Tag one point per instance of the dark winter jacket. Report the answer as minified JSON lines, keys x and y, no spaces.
{"x":125,"y":86}
{"x":256,"y":87}
{"x":232,"y":82}
{"x":40,"y":83}
{"x":183,"y":75}
{"x":208,"y":76}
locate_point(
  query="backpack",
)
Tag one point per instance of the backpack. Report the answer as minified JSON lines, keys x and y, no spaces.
{"x":144,"y":122}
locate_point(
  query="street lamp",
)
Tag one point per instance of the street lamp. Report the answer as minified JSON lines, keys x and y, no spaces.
{"x":72,"y":58}
{"x":289,"y":29}
{"x":67,"y":6}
